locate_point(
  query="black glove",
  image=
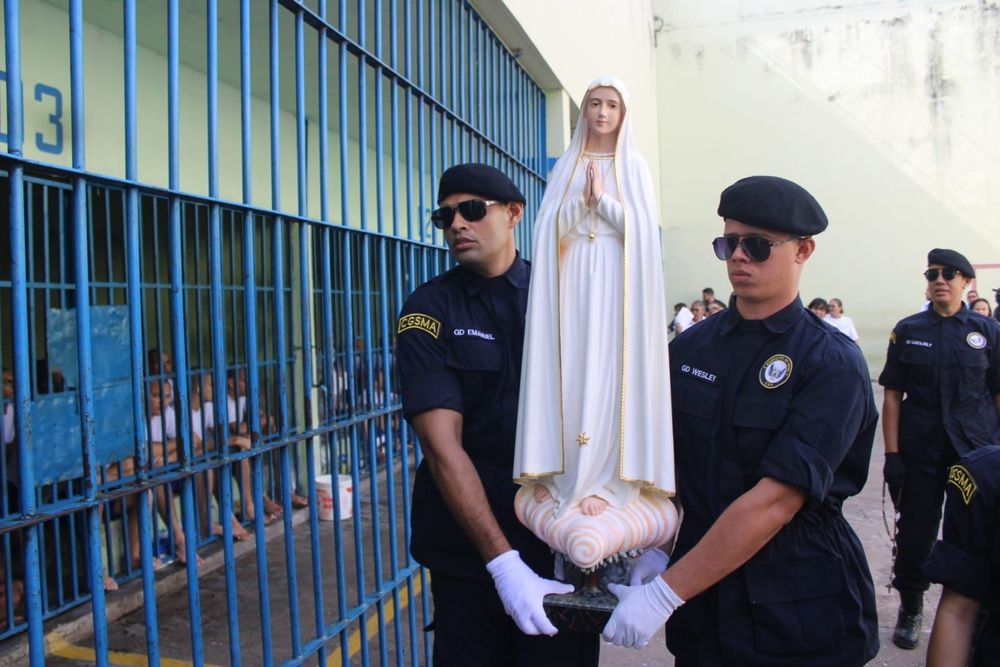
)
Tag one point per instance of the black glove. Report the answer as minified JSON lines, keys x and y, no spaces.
{"x":894,"y":473}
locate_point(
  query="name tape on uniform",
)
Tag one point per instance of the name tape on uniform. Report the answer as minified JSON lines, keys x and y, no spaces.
{"x":963,"y":481}
{"x":421,"y":322}
{"x":698,"y":373}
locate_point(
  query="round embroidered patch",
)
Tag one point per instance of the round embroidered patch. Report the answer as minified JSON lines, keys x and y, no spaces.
{"x":976,"y":340}
{"x":775,"y":371}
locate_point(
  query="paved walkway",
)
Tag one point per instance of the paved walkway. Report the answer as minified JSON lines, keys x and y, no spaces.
{"x":70,"y":644}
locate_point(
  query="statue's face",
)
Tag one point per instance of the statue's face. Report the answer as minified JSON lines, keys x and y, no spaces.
{"x":603,"y":111}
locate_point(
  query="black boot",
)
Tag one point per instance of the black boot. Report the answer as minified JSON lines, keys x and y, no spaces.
{"x":911,"y":616}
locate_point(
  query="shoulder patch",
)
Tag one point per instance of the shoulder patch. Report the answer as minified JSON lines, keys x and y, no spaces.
{"x":892,"y":336}
{"x":421,"y":322}
{"x":963,"y":481}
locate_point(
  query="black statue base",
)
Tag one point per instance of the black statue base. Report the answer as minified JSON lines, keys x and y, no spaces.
{"x":588,"y":608}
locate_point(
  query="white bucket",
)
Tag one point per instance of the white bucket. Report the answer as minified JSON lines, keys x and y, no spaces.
{"x":324,"y":496}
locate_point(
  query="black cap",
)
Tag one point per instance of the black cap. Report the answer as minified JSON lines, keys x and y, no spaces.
{"x":773,"y":203}
{"x":951,"y":258}
{"x":478,"y":179}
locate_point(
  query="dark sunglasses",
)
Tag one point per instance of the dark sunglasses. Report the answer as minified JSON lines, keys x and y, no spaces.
{"x":756,"y":248}
{"x":471,"y":209}
{"x":949,"y":274}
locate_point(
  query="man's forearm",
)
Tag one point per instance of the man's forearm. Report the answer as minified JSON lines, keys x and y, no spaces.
{"x":440,"y":433}
{"x":740,"y":531}
{"x":464,"y":495}
{"x":954,"y":623}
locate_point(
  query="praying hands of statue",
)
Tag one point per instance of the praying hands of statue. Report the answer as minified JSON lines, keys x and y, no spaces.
{"x":594,"y":189}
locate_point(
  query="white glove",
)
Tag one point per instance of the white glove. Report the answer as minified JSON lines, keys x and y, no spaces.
{"x":522,"y":592}
{"x":650,"y":564}
{"x":640,"y":612}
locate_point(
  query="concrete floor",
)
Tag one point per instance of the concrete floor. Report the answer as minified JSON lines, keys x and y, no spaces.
{"x":71,"y":644}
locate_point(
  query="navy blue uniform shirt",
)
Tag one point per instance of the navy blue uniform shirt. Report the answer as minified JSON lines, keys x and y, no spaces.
{"x":967,"y":559}
{"x":788,"y":398}
{"x":948,"y":369}
{"x":459,"y":343}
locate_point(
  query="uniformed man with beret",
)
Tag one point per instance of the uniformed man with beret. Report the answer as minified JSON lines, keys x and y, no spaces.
{"x":942,"y":394}
{"x":966,"y":561}
{"x":774,"y":420}
{"x":459,"y":343}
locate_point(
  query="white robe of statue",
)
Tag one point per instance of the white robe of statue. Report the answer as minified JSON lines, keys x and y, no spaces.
{"x":594,"y":412}
{"x":590,"y":304}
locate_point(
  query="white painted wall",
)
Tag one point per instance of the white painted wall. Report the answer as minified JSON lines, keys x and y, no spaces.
{"x":45,"y":60}
{"x":886,"y":111}
{"x":576,"y":41}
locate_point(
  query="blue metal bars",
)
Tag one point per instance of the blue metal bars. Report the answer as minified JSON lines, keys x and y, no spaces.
{"x":203,"y":332}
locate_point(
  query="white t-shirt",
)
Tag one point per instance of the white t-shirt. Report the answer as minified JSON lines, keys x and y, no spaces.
{"x":683,"y":319}
{"x":233,"y":414}
{"x":206,"y":413}
{"x":156,"y":424}
{"x":844,"y":324}
{"x":8,"y":424}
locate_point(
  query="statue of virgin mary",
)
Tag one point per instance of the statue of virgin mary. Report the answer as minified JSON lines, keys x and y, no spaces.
{"x":594,"y":430}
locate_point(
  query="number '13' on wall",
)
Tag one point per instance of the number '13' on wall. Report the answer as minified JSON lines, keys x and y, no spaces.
{"x":50,"y":141}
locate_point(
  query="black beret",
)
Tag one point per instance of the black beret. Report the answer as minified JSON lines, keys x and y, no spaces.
{"x":773,"y":203}
{"x":478,"y":179}
{"x":955,"y":260}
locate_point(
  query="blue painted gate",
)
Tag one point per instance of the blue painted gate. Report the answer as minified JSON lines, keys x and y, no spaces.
{"x":205,"y":251}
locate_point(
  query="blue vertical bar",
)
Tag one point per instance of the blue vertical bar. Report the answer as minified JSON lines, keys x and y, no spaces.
{"x":250,"y":308}
{"x":329,"y":371}
{"x":410,"y":218}
{"x":359,"y":561}
{"x":253,"y":410}
{"x":432,"y":49}
{"x":278,"y":270}
{"x":305,"y":304}
{"x":377,"y":13}
{"x":455,"y":64}
{"x":345,"y":219}
{"x":363,"y":213}
{"x":179,"y":333}
{"x":386,"y":366}
{"x":379,"y":131}
{"x":134,"y":297}
{"x":362,"y":122}
{"x":421,"y":61}
{"x":394,"y":112}
{"x":95,"y":562}
{"x":345,"y":207}
{"x":20,"y":340}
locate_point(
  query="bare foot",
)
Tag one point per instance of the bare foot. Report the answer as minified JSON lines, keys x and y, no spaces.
{"x":542,"y":494}
{"x":271,"y":507}
{"x":110,"y":584}
{"x":240,"y":534}
{"x":299,"y":501}
{"x":593,"y":505}
{"x":181,"y":555}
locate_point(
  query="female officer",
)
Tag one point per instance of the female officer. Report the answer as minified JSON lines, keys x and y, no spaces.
{"x":942,"y":393}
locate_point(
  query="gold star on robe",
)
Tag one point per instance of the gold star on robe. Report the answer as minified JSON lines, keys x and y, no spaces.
{"x":582,"y":439}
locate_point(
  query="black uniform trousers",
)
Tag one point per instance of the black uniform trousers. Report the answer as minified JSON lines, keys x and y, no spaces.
{"x":920,"y":507}
{"x":472,"y":628}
